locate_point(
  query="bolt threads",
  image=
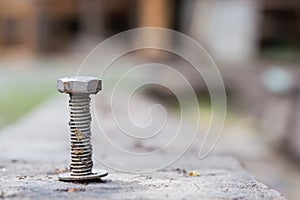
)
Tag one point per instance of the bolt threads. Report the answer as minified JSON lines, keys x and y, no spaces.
{"x":80,"y":125}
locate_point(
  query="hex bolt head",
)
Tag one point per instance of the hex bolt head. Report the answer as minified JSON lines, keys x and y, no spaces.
{"x":79,"y":85}
{"x":79,"y":90}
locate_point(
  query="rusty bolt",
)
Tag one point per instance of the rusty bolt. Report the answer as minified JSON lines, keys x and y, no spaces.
{"x":79,"y":89}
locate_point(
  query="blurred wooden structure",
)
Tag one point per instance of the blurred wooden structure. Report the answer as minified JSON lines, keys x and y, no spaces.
{"x":35,"y":26}
{"x":17,"y":24}
{"x":39,"y":26}
{"x":280,"y":24}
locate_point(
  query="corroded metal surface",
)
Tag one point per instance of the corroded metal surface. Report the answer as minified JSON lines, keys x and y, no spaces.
{"x":79,"y":89}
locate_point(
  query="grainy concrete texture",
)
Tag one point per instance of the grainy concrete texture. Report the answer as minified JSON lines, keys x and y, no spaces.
{"x":35,"y":150}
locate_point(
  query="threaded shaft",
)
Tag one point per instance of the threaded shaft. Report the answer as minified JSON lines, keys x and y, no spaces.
{"x":80,"y":125}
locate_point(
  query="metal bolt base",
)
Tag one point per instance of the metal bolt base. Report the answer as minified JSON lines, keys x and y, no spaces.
{"x":97,"y":174}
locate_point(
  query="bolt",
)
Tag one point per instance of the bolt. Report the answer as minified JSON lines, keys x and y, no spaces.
{"x":79,"y":90}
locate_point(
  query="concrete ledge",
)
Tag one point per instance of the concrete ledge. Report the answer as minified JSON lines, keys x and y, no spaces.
{"x":34,"y":151}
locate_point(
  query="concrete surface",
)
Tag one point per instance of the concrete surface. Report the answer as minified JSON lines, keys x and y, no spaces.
{"x":35,"y":150}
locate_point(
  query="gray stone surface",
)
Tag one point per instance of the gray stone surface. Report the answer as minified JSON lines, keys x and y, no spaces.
{"x":35,"y":180}
{"x":35,"y":150}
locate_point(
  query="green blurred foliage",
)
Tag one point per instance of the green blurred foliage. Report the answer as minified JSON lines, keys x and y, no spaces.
{"x":17,"y":102}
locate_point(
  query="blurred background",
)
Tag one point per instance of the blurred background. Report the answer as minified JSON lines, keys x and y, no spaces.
{"x":256,"y":45}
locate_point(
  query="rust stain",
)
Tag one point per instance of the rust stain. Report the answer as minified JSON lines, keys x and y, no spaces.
{"x":79,"y":134}
{"x":78,"y":152}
